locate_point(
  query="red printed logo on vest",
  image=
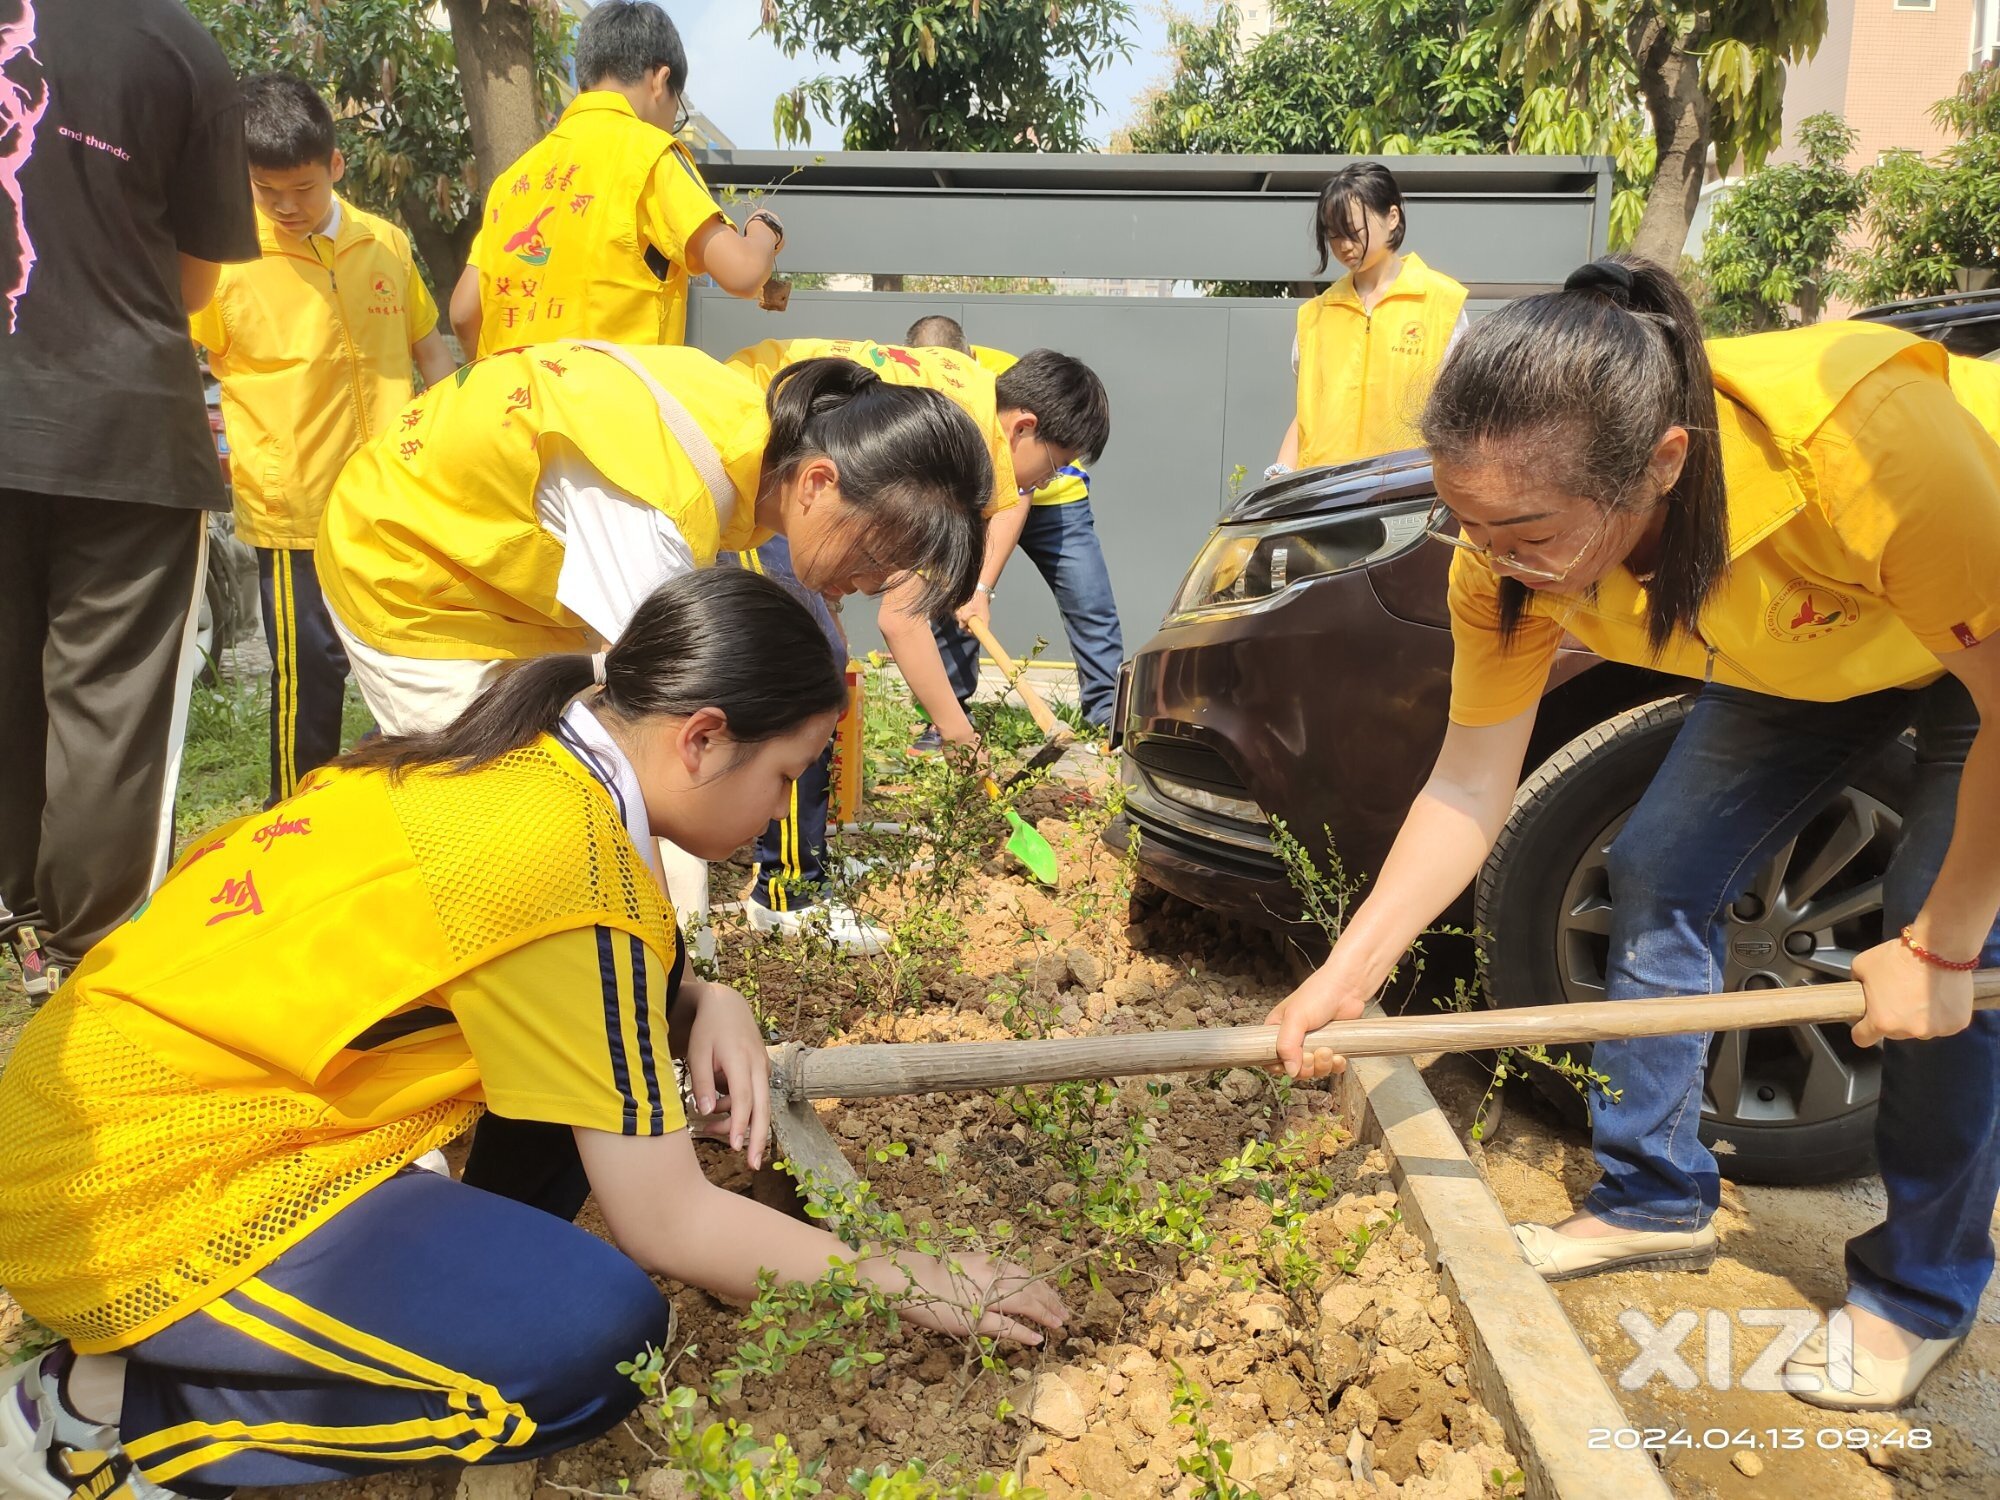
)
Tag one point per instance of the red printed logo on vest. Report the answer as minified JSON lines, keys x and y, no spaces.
{"x":203,"y":852}
{"x":387,"y":303}
{"x":528,"y":246}
{"x":278,"y":828}
{"x":1962,"y":633}
{"x":1411,"y":339}
{"x":1806,"y":611}
{"x":238,"y":898}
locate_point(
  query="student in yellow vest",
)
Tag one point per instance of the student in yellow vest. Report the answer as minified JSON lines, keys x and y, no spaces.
{"x":313,"y":346}
{"x":1367,"y":346}
{"x":527,"y":506}
{"x":208,"y":1136}
{"x":1059,"y":535}
{"x":595,"y":231}
{"x":1806,"y":527}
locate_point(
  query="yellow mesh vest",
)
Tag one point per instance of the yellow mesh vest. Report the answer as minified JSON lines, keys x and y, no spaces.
{"x":430,"y":546}
{"x":188,"y":1105}
{"x":561,"y":254}
{"x":1363,"y":376}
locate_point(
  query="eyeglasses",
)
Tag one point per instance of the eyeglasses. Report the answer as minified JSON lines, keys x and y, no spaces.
{"x":681,"y":115}
{"x":1440,"y":518}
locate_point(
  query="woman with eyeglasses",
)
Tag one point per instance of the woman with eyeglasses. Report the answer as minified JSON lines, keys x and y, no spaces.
{"x":1368,"y":346}
{"x":1805,"y":526}
{"x":528,"y":506}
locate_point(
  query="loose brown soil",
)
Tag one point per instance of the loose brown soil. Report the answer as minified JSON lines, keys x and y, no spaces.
{"x":1780,"y":1248}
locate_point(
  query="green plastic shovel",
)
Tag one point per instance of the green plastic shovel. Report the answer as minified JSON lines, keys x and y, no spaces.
{"x":1026,"y":844}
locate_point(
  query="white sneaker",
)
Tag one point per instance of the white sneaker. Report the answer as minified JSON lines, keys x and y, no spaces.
{"x":829,"y":921}
{"x":47,"y":1452}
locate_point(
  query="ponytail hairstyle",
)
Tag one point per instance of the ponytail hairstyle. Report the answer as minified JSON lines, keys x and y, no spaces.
{"x":722,"y":638}
{"x":1581,"y":385}
{"x":913,"y":465}
{"x":1360,"y":185}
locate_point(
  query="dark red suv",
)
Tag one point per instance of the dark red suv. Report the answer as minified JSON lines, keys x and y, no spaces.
{"x":1303,"y":672}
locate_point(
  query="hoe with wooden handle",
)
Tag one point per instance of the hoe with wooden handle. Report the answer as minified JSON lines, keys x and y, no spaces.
{"x":873,"y":1070}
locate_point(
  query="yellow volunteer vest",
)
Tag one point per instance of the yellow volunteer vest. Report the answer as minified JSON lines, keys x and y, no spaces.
{"x":430,"y":546}
{"x":314,"y":361}
{"x":561,"y":252}
{"x":1976,"y":383}
{"x":1795,"y":617}
{"x":1067,"y":487}
{"x":1363,"y":376}
{"x":946,"y":371}
{"x":188,"y":1105}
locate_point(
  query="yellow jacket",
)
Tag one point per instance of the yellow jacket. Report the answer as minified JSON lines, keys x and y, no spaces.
{"x":1071,"y":483}
{"x":585,"y":237}
{"x":1363,"y":376}
{"x":431,"y":547}
{"x":1864,"y":537}
{"x":286,"y":1024}
{"x":312,"y":346}
{"x":945,"y":371}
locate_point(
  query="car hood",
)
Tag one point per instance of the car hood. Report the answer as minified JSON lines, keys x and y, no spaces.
{"x":1312,"y":492}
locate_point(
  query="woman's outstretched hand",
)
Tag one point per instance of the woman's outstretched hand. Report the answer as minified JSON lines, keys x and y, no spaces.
{"x":1323,"y":998}
{"x":1009,"y":1301}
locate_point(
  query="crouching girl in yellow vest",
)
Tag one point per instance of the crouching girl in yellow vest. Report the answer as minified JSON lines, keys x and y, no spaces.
{"x":528,"y":506}
{"x":1805,"y":527}
{"x":1369,"y":345}
{"x":207,"y":1136}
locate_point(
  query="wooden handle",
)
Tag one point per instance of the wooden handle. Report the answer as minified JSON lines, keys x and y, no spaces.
{"x":1045,"y":721}
{"x":876,"y":1069}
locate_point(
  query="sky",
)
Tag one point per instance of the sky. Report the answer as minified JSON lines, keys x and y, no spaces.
{"x":735,"y":71}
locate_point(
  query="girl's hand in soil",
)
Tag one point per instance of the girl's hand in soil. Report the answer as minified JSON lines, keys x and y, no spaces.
{"x":726,"y":1045}
{"x":945,"y":1295}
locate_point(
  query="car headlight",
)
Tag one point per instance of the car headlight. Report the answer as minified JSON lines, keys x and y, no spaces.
{"x":1244,"y":567}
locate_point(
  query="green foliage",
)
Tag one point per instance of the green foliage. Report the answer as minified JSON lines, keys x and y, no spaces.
{"x":1382,"y":77}
{"x":1775,"y":251}
{"x":949,"y":75}
{"x":389,"y":71}
{"x":1927,"y":218}
{"x":1208,"y":1465}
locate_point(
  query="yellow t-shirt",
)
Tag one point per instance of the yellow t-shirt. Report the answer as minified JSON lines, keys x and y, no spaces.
{"x":946,"y":371}
{"x":317,"y":995}
{"x":586,"y":236}
{"x":1864,"y":537}
{"x":311,"y":343}
{"x":1071,"y":482}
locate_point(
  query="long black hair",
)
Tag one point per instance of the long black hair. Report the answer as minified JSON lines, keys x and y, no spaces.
{"x":911,"y":463}
{"x":1357,"y":186}
{"x":720,"y":638}
{"x":1587,"y":380}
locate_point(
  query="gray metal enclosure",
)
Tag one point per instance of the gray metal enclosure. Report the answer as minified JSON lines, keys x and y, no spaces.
{"x":1201,"y":387}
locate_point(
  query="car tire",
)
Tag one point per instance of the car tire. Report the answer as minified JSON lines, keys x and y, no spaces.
{"x":1537,"y":905}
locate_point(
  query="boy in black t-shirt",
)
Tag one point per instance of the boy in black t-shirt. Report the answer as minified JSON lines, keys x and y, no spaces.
{"x":123,"y":184}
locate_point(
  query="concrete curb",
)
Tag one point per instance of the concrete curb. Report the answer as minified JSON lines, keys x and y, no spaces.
{"x":1526,"y":1362}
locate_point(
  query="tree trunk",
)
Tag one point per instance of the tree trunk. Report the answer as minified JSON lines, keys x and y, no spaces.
{"x":442,"y":247}
{"x":495,"y":41}
{"x":1670,"y":83}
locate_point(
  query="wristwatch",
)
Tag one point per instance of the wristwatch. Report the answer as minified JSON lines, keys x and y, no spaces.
{"x":769,"y":218}
{"x":981,"y":588}
{"x":1276,"y":469}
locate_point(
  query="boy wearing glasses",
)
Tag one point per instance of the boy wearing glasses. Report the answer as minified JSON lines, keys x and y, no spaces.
{"x":596,"y":230}
{"x":313,"y":344}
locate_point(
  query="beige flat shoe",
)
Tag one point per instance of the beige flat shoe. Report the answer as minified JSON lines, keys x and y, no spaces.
{"x":1876,"y":1383}
{"x":1565,"y":1257}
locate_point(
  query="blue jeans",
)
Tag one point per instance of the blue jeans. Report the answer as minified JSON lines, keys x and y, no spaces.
{"x":1061,"y":541}
{"x":1745,"y":775}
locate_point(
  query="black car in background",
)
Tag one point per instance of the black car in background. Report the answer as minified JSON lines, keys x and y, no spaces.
{"x":1303,"y":672}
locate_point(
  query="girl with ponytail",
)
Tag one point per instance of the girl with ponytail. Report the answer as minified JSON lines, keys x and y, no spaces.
{"x":208,"y":1137}
{"x":1804,"y":528}
{"x":526,"y":507}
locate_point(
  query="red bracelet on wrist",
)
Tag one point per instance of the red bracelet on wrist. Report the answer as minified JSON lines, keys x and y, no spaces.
{"x":1936,"y":961}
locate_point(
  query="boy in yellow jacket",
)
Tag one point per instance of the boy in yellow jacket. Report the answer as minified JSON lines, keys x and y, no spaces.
{"x":596,"y":230}
{"x":313,"y":344}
